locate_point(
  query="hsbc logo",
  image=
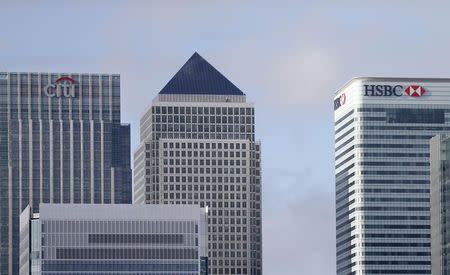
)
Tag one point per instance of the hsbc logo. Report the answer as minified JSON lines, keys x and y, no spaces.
{"x":63,"y":86}
{"x":338,"y":102}
{"x":397,"y":90}
{"x":415,"y":91}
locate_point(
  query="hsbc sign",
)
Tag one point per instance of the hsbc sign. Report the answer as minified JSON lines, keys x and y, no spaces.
{"x":415,"y":91}
{"x":396,"y":90}
{"x":338,"y":102}
{"x":63,"y":86}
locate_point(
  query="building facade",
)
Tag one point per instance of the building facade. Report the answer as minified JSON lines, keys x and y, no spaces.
{"x":198,"y":147}
{"x":61,"y":141}
{"x":440,"y":204}
{"x":383,"y":128}
{"x":114,"y":239}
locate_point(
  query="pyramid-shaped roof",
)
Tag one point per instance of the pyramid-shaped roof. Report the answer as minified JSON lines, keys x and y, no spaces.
{"x":196,"y":77}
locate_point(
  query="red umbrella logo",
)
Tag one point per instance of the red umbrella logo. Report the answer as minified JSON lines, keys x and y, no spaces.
{"x":63,"y":86}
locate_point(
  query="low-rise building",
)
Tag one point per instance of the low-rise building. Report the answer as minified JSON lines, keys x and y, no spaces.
{"x":114,"y":239}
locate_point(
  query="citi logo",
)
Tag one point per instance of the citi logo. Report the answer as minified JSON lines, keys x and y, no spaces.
{"x":63,"y":86}
{"x":396,"y":90}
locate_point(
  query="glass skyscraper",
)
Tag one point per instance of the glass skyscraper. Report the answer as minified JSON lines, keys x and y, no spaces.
{"x":383,"y":128}
{"x":121,"y":239}
{"x":198,"y":147}
{"x":440,"y":204}
{"x":61,"y":141}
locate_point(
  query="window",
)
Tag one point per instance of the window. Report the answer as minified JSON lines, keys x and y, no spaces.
{"x":436,"y":116}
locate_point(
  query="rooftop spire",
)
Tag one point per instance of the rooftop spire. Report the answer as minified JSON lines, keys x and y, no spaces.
{"x":197,"y":76}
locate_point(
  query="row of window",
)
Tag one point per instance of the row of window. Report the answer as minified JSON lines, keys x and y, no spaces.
{"x":126,"y":253}
{"x":98,"y":226}
{"x":228,"y":238}
{"x":208,"y":154}
{"x":206,"y":196}
{"x":183,"y":135}
{"x":227,"y":245}
{"x":35,"y":77}
{"x":395,"y":155}
{"x":135,"y":238}
{"x":207,"y":162}
{"x":202,"y":110}
{"x":227,"y":262}
{"x":213,"y":204}
{"x":207,"y":188}
{"x":113,"y":266}
{"x":204,"y":145}
{"x":195,"y":170}
{"x":367,"y":198}
{"x":395,"y":181}
{"x":393,"y":163}
{"x":384,"y":209}
{"x":203,"y":119}
{"x":403,"y":128}
{"x":195,"y":179}
{"x":115,"y":273}
{"x":195,"y":128}
{"x":393,"y":173}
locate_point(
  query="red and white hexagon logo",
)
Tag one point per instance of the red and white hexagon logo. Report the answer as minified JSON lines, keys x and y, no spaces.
{"x":342,"y":99}
{"x":415,"y":91}
{"x":338,"y":102}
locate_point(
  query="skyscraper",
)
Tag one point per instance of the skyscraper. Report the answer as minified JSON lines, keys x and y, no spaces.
{"x":198,"y":147}
{"x":61,"y":141}
{"x":440,"y":204}
{"x":383,"y":128}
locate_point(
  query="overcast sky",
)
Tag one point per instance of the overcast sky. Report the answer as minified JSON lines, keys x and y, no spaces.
{"x":289,"y":58}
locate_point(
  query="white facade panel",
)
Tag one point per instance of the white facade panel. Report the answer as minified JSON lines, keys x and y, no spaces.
{"x":382,"y":172}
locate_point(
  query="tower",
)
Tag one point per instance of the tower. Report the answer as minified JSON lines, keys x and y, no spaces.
{"x":383,"y":128}
{"x":61,"y":141}
{"x":197,"y":146}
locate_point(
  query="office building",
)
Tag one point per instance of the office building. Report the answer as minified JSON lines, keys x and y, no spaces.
{"x":61,"y":141}
{"x":440,"y":204}
{"x":197,"y":146}
{"x":114,"y":239}
{"x":383,"y":128}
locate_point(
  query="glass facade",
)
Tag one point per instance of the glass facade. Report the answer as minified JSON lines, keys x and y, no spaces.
{"x":61,"y":141}
{"x":382,"y":164}
{"x":133,"y":239}
{"x":200,"y":148}
{"x":440,"y":204}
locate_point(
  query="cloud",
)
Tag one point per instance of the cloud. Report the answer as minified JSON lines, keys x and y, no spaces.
{"x":301,"y":78}
{"x":289,"y":58}
{"x":299,"y":238}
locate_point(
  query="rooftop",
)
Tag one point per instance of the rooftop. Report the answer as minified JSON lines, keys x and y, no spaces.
{"x":389,"y":79}
{"x":198,"y":77}
{"x":50,"y":211}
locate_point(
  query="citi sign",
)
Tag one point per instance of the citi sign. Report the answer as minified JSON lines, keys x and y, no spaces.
{"x":63,"y":86}
{"x":397,"y":90}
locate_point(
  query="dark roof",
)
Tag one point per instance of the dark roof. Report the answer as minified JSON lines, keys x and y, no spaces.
{"x":197,"y":76}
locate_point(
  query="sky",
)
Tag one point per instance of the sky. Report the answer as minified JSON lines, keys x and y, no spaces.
{"x":289,"y":57}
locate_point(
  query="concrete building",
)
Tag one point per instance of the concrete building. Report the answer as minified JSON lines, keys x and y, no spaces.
{"x":114,"y":239}
{"x":61,"y":141}
{"x":383,"y":128}
{"x":198,"y":146}
{"x":440,"y":204}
